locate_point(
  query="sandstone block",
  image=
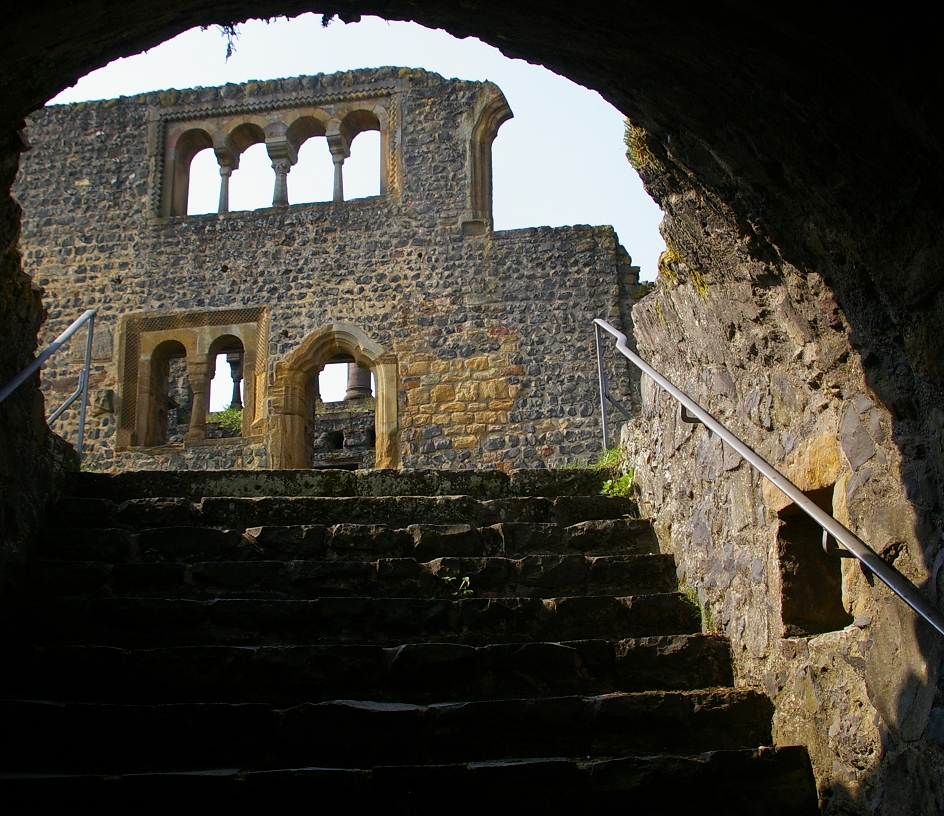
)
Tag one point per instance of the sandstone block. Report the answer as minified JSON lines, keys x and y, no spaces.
{"x":494,"y":389}
{"x":465,"y":441}
{"x":442,"y":393}
{"x":452,"y":407}
{"x":477,"y":363}
{"x":813,"y":465}
{"x":417,"y":369}
{"x":417,"y":396}
{"x":467,"y":391}
{"x":502,"y":404}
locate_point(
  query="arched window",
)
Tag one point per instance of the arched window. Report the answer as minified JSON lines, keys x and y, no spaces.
{"x":225,"y":400}
{"x":169,"y":396}
{"x":182,"y":147}
{"x":493,"y":114}
{"x":295,"y":397}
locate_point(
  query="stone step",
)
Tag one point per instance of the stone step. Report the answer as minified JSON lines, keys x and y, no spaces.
{"x":535,"y":576}
{"x":349,"y":541}
{"x":55,"y":737}
{"x":475,"y":621}
{"x":396,"y":511}
{"x":415,"y":673}
{"x":746,"y":782}
{"x":481,"y":484}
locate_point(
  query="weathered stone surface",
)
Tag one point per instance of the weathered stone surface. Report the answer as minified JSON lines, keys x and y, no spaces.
{"x":854,"y":439}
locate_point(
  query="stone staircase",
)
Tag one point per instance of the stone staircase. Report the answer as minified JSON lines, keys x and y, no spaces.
{"x":416,"y":641}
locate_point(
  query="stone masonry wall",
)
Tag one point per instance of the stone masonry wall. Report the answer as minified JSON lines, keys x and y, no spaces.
{"x":491,"y":333}
{"x":765,"y":348}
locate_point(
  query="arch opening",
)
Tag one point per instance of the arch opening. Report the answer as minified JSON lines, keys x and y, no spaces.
{"x":225,"y":400}
{"x":170,"y":397}
{"x":299,"y":435}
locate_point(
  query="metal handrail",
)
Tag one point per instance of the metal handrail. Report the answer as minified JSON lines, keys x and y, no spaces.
{"x":82,"y":391}
{"x":895,"y":581}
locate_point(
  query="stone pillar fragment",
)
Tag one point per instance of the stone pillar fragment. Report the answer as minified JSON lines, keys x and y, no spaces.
{"x":358,"y":382}
{"x":199,"y":374}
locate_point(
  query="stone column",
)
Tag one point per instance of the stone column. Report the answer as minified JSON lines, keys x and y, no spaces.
{"x":225,"y":172}
{"x":199,"y":374}
{"x":340,"y":150}
{"x":280,"y":194}
{"x":284,"y":153}
{"x":287,"y":414}
{"x":235,"y":360}
{"x":358,"y":382}
{"x":228,"y":159}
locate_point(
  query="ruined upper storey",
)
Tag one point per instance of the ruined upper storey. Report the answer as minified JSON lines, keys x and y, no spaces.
{"x":435,"y":136}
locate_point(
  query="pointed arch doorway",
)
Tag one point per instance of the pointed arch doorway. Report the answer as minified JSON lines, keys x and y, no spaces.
{"x":289,"y":394}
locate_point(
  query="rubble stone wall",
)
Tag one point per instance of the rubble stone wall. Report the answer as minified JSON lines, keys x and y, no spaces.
{"x":490,"y":331}
{"x":766,"y":349}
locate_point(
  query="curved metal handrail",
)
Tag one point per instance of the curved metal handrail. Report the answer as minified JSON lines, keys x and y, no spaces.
{"x":895,"y":581}
{"x":87,"y":316}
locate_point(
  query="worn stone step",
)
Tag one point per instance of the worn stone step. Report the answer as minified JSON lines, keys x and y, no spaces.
{"x":416,"y":673}
{"x":476,"y":621}
{"x":349,"y":541}
{"x":195,"y":485}
{"x":533,"y":576}
{"x":395,"y":511}
{"x":746,"y":782}
{"x":132,"y":738}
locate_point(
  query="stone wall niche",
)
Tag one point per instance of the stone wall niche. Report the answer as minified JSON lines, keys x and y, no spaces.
{"x":810,"y":577}
{"x":289,"y":394}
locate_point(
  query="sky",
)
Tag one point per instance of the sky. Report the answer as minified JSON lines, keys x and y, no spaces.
{"x":559,"y":161}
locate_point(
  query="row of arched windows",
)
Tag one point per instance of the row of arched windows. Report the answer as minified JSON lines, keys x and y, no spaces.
{"x":311,"y":179}
{"x":252,"y":158}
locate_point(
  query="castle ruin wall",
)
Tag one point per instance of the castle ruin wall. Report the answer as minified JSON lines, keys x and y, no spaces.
{"x":487,"y":333}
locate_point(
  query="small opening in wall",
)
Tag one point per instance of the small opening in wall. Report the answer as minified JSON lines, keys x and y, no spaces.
{"x":336,"y":440}
{"x":811,"y":580}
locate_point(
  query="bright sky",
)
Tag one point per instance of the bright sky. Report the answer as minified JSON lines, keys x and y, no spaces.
{"x":560,"y":161}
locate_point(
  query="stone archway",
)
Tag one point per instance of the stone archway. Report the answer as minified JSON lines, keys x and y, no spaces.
{"x":287,"y":395}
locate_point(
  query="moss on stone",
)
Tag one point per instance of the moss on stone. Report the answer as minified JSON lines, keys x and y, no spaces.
{"x":638,"y":151}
